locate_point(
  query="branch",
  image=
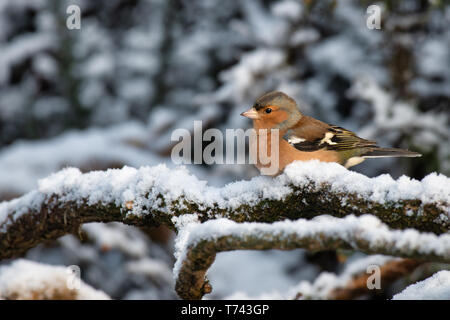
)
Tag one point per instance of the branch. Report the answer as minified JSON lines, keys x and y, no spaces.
{"x":151,"y":196}
{"x":200,"y":243}
{"x":389,"y":272}
{"x":352,"y":282}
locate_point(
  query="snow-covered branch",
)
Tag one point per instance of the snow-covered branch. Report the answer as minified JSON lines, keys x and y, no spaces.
{"x":153,"y":195}
{"x":436,"y":287}
{"x":352,"y":282}
{"x":200,"y":243}
{"x":389,"y":272}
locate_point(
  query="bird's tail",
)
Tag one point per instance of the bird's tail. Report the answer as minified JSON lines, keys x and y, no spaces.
{"x":389,"y":152}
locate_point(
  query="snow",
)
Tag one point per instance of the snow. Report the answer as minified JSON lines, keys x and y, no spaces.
{"x":116,"y":268}
{"x":152,"y":268}
{"x":48,"y":106}
{"x":391,"y":114}
{"x":21,"y":48}
{"x":141,"y":188}
{"x":135,"y":89}
{"x":436,"y":287}
{"x":117,"y":236}
{"x":32,"y":201}
{"x":166,"y":118}
{"x":234,"y":274}
{"x":340,"y":56}
{"x":432,"y":188}
{"x":288,"y":9}
{"x":264,"y":28}
{"x":45,"y":65}
{"x":370,"y":228}
{"x":359,"y":265}
{"x":25,"y":162}
{"x":124,"y":53}
{"x":120,"y":186}
{"x":244,"y":273}
{"x":27,"y":280}
{"x":326,"y":282}
{"x":240,"y":79}
{"x":304,"y":36}
{"x":433,"y":57}
{"x":99,"y":65}
{"x":394,"y":118}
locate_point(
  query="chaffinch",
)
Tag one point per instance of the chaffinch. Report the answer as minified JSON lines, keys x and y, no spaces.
{"x":304,"y":138}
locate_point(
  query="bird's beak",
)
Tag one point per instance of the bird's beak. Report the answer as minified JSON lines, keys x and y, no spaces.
{"x":251,"y":114}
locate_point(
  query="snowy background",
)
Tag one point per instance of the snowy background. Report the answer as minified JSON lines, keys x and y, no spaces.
{"x":111,"y":94}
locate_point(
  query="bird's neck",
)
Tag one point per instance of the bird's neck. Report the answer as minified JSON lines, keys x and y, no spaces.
{"x":289,"y":122}
{"x":260,"y":127}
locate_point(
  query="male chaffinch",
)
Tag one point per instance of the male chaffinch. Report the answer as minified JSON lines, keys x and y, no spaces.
{"x":304,"y":138}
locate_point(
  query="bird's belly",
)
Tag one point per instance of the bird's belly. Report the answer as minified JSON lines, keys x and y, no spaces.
{"x":283,"y":154}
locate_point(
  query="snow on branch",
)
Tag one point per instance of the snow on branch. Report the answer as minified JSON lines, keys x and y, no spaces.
{"x":198,"y":244}
{"x":389,"y":273}
{"x":28,"y":280}
{"x":153,"y":195}
{"x":436,"y":287}
{"x":352,"y":282}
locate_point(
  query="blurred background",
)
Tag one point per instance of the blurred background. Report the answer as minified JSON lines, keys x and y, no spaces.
{"x":111,"y":93}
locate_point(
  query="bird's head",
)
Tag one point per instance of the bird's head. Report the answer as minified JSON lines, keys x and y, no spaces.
{"x":274,"y":110}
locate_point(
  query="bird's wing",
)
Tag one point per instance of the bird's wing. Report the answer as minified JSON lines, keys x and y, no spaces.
{"x":310,"y":134}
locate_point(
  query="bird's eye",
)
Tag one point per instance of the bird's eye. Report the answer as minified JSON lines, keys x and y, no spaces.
{"x":268,"y":110}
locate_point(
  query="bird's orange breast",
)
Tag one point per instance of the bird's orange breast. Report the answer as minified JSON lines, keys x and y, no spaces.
{"x":286,"y":153}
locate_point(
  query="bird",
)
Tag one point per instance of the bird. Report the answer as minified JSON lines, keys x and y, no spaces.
{"x":301,"y":137}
